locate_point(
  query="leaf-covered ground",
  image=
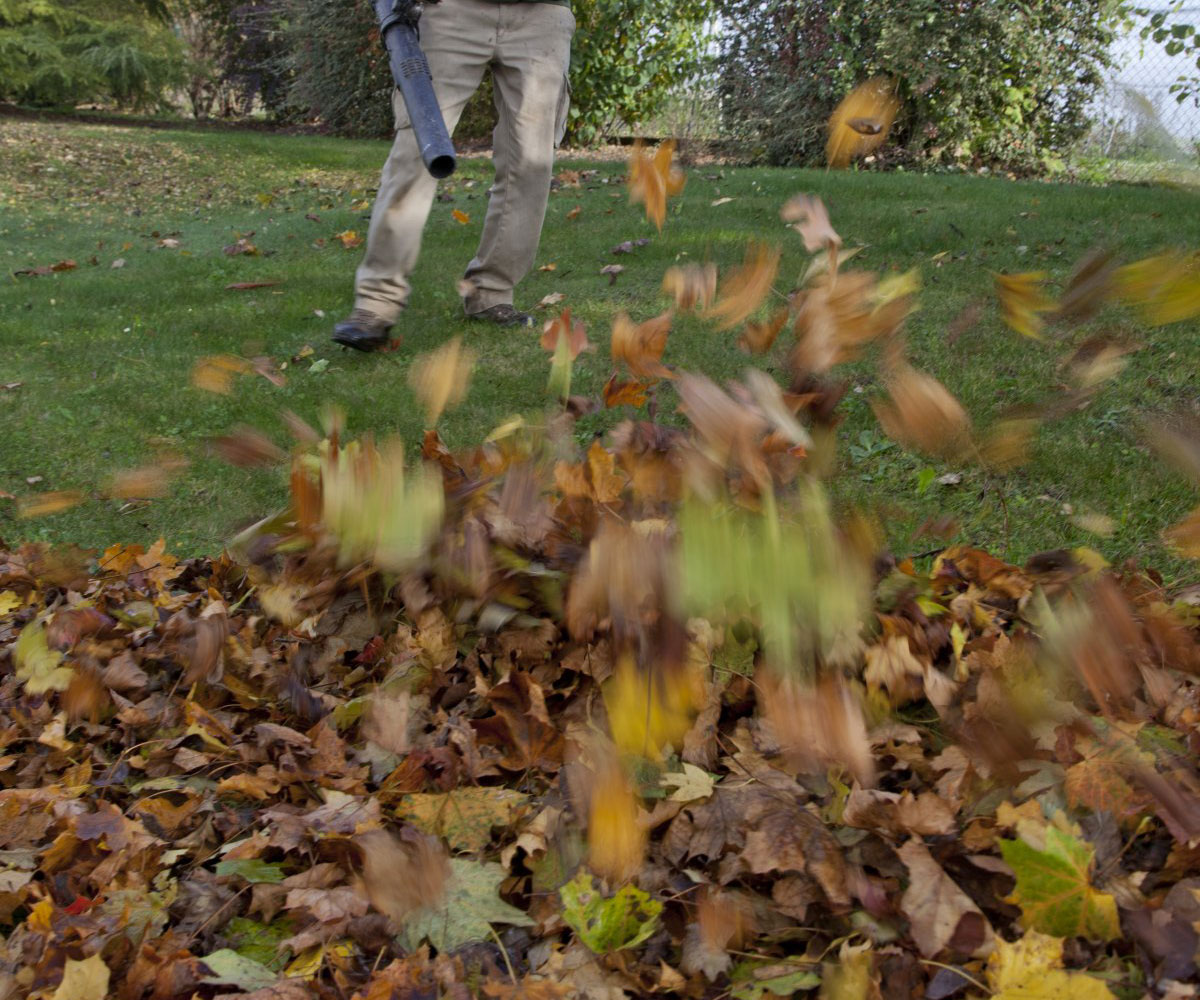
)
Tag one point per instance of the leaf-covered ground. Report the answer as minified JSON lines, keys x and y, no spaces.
{"x":638,"y":716}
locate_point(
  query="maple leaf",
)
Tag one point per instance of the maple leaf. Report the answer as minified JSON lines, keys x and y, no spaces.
{"x":1031,"y":969}
{"x":1054,"y":887}
{"x":470,"y":905}
{"x":624,"y":393}
{"x":862,"y":120}
{"x":562,"y":327}
{"x":639,"y":346}
{"x":623,"y":920}
{"x":441,"y":378}
{"x":464,"y":817}
{"x":654,"y":179}
{"x":745,"y":289}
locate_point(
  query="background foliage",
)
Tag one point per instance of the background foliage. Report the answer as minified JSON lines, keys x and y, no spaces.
{"x":68,"y":51}
{"x":997,"y":83}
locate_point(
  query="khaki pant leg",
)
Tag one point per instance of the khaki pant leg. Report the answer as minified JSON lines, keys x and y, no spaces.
{"x":459,"y":39}
{"x":530,"y":76}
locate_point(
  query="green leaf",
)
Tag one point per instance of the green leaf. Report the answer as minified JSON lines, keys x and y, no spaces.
{"x":768,"y":980}
{"x":607,"y":925}
{"x":252,"y":870}
{"x":1053,"y":889}
{"x":469,"y":907}
{"x":231,"y":969}
{"x":38,"y":665}
{"x":258,"y":941}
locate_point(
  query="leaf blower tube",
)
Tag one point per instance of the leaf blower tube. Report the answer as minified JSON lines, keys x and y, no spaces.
{"x":398,"y":31}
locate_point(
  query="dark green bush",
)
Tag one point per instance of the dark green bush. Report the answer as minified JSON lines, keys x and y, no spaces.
{"x":70,"y":51}
{"x":1004,"y":84}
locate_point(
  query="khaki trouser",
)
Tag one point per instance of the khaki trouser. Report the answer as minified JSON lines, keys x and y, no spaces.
{"x":528,"y":47}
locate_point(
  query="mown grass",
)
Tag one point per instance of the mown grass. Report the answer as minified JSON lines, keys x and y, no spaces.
{"x":104,"y":355}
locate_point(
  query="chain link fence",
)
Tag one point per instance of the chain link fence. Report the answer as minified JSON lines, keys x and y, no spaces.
{"x":1141,"y":131}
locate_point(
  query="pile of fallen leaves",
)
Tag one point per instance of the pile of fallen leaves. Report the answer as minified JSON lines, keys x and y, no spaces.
{"x":645,"y":717}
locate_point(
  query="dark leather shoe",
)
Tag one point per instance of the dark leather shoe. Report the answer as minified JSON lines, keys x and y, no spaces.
{"x":363,"y":331}
{"x":503,"y":315}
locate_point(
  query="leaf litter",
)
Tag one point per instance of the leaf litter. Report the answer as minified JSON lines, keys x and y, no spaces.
{"x":641,"y":717}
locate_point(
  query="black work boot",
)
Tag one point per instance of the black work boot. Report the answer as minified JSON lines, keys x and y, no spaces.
{"x":362,"y":330}
{"x":503,"y":315}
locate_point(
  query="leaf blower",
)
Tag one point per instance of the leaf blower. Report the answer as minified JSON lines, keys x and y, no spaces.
{"x":398,"y":21}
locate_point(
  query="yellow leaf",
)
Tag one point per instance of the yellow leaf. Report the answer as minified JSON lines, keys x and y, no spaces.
{"x":640,"y":345}
{"x":38,"y":665}
{"x":86,"y":980}
{"x":49,"y":503}
{"x":862,"y":121}
{"x":616,"y":843}
{"x":349,"y":239}
{"x":1024,"y":302}
{"x":10,"y":600}
{"x":653,"y":179}
{"x":440,"y":379}
{"x":1031,"y":969}
{"x":648,"y":711}
{"x":1166,"y":287}
{"x":215,"y":374}
{"x":307,"y":964}
{"x":462,"y":218}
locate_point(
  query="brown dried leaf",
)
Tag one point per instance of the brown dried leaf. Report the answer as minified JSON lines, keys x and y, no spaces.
{"x":639,"y":346}
{"x":922,"y":414}
{"x":745,"y":289}
{"x":691,"y":286}
{"x":942,"y":917}
{"x":654,"y":179}
{"x":441,"y":378}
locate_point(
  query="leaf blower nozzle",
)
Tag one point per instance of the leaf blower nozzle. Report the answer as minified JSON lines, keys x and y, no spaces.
{"x":398,"y":21}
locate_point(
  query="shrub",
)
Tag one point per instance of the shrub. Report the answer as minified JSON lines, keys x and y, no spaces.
{"x":1002,"y":84}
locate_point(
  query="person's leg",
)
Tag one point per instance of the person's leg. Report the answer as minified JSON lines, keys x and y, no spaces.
{"x":530,"y":76}
{"x":459,"y":38}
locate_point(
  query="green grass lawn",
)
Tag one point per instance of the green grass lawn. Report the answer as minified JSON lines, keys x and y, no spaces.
{"x":104,"y":355}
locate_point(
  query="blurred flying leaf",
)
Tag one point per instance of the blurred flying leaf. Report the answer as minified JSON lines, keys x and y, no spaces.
{"x":1031,"y":969}
{"x":1166,"y":288}
{"x":691,"y":286}
{"x":462,"y":218}
{"x":349,"y":239}
{"x":375,"y":508}
{"x":44,"y":504}
{"x":1054,"y":887}
{"x":621,"y":921}
{"x":922,"y":414}
{"x":810,"y":219}
{"x":470,"y":905}
{"x":757,"y":338}
{"x":648,"y":712}
{"x":654,"y":179}
{"x":640,"y":345}
{"x":402,"y":876}
{"x":248,"y":448}
{"x":39,"y":666}
{"x":745,"y":289}
{"x":616,"y":841}
{"x":808,"y":592}
{"x":861,"y":122}
{"x":441,"y":378}
{"x":1088,"y":288}
{"x":1184,"y":537}
{"x":1024,"y":302}
{"x":215,"y":374}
